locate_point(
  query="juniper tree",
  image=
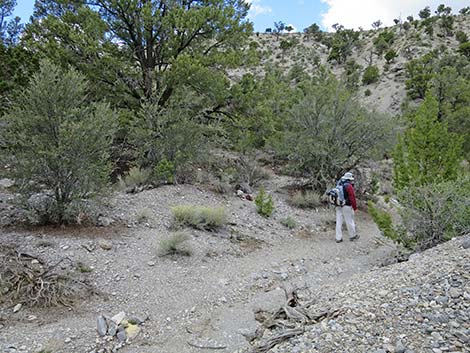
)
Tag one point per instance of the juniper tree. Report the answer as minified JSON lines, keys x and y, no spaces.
{"x":427,"y":152}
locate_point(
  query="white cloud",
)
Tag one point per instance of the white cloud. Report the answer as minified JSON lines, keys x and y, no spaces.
{"x":361,"y":13}
{"x":257,"y":8}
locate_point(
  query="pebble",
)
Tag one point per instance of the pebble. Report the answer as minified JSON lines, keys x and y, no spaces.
{"x":400,"y":347}
{"x":102,"y":326}
{"x":455,"y":292}
{"x":17,"y":307}
{"x":121,"y":336}
{"x":118,"y":317}
{"x":105,"y":245}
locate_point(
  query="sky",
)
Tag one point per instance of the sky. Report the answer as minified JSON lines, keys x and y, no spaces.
{"x":302,"y":13}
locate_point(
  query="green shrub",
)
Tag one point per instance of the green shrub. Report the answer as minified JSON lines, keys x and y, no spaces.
{"x":173,"y":133}
{"x":134,"y":177}
{"x":289,"y":222}
{"x":464,"y":49}
{"x":199,"y":217}
{"x":390,"y":55}
{"x":175,"y":244}
{"x":164,"y":172}
{"x":461,"y":37}
{"x":307,"y":199}
{"x":56,"y":140}
{"x":248,"y":171}
{"x":370,"y":75}
{"x":436,"y":212}
{"x":383,"y":221}
{"x":367,"y":92}
{"x":264,"y":203}
{"x":83,"y":267}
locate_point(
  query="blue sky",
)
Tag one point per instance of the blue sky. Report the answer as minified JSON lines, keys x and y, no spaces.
{"x":302,"y":13}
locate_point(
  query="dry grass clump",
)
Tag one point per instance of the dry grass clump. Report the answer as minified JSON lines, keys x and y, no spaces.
{"x":135,"y":177}
{"x":175,"y":244}
{"x":307,"y":199}
{"x":199,"y":217}
{"x":288,"y":222}
{"x":143,"y":215}
{"x":26,"y":282}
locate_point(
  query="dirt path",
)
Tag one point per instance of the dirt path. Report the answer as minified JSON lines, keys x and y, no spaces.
{"x":207,"y":299}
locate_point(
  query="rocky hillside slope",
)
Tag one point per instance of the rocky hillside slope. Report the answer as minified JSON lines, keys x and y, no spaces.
{"x":422,"y":305}
{"x":388,"y":93}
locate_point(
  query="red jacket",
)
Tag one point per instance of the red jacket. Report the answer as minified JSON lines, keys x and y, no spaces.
{"x":350,"y":196}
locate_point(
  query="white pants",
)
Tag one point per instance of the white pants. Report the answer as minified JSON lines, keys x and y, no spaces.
{"x":348,"y":214}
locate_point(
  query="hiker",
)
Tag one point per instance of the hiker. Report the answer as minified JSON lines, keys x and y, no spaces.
{"x":347,"y":210}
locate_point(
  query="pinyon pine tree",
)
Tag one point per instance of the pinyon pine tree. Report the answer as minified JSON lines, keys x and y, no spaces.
{"x":56,"y":141}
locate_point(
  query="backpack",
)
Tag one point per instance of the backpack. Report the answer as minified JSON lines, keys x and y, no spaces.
{"x":336,"y":195}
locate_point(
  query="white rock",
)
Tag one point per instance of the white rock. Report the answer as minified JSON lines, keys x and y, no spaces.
{"x":17,"y":308}
{"x":118,"y":317}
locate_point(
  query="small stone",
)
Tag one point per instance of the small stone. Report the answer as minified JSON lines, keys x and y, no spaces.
{"x":151,"y":263}
{"x":118,"y":317}
{"x":443,"y":300}
{"x":105,"y":245}
{"x":32,"y":317}
{"x":121,"y":336}
{"x":466,"y":243}
{"x":132,"y":331}
{"x":34,"y":262}
{"x":138,"y":320}
{"x":102,"y":326}
{"x":112,"y":329}
{"x":17,"y":308}
{"x":6,"y":183}
{"x":68,"y":340}
{"x":104,"y":221}
{"x":454,"y":292}
{"x":400,"y":347}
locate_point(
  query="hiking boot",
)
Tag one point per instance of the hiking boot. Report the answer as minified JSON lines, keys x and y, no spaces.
{"x":339,"y":241}
{"x":356,"y":237}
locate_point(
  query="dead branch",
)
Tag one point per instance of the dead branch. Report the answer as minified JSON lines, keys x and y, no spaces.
{"x":274,"y":341}
{"x":33,"y":285}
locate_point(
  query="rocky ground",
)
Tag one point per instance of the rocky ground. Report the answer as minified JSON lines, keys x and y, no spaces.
{"x":208,"y":301}
{"x":422,"y":305}
{"x":185,"y":302}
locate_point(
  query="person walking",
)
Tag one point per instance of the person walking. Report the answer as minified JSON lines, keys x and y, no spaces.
{"x":346,"y":211}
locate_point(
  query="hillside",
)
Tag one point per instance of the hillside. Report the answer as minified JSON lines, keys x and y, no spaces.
{"x":308,"y":52}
